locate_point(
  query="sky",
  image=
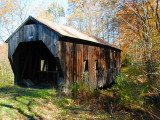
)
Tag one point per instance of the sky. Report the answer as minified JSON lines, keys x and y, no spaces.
{"x":34,"y":6}
{"x":44,"y":4}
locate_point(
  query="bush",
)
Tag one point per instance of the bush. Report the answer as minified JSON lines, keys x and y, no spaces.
{"x":6,"y":74}
{"x":82,"y":92}
{"x":130,"y":91}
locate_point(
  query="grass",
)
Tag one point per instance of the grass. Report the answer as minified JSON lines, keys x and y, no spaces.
{"x":27,"y":103}
{"x":39,"y":104}
{"x":127,"y":99}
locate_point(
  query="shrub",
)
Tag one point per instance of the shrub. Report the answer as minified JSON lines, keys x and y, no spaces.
{"x":80,"y":91}
{"x":6,"y":75}
{"x":129,"y":90}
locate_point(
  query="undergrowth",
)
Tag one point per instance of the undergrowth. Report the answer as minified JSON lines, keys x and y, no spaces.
{"x":130,"y":97}
{"x":6,"y":74}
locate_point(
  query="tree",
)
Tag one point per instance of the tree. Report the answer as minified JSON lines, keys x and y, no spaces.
{"x":53,"y":13}
{"x":140,"y":33}
{"x":13,"y":13}
{"x":93,"y":17}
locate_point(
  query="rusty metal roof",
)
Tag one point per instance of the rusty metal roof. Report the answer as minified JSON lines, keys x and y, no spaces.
{"x":67,"y":31}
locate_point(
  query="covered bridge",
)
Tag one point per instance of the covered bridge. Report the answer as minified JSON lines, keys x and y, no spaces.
{"x":46,"y":53}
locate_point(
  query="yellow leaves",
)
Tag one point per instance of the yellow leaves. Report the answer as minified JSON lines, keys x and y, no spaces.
{"x":7,"y":7}
{"x":45,"y":15}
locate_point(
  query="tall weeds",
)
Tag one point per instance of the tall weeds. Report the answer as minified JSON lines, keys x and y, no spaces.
{"x":6,"y":74}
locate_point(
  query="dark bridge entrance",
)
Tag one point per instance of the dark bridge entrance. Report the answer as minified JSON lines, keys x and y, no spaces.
{"x":34,"y":65}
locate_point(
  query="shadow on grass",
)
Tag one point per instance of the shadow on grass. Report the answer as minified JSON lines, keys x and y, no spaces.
{"x":30,"y":117}
{"x":27,"y":92}
{"x":25,"y":97}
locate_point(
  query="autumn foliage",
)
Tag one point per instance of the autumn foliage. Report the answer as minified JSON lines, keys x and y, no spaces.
{"x":139,"y":35}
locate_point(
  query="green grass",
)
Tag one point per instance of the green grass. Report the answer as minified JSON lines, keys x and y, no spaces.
{"x":27,"y":103}
{"x":126,"y":100}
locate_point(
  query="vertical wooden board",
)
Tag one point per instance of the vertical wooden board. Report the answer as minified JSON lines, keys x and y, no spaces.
{"x":35,"y":32}
{"x":26,"y":31}
{"x":51,"y":41}
{"x":96,"y":53}
{"x":17,"y":41}
{"x":103,"y":70}
{"x":94,"y":57}
{"x":91,"y":63}
{"x":110,"y":67}
{"x":67,"y":63}
{"x":30,"y":32}
{"x":85,"y":52}
{"x":112,"y":58}
{"x":114,"y":70}
{"x":71,"y":63}
{"x":85,"y":57}
{"x":99,"y":83}
{"x":54,"y":44}
{"x":9,"y":49}
{"x":118,"y":60}
{"x":62,"y":55}
{"x":21,"y":35}
{"x":61,"y":63}
{"x":97,"y":58}
{"x":106,"y":61}
{"x":79,"y":61}
{"x":75,"y":61}
{"x":51,"y":45}
{"x":46,"y":37}
{"x":112,"y":64}
{"x":12,"y":45}
{"x":40,"y":31}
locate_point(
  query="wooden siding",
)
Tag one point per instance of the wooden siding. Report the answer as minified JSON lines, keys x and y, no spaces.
{"x":103,"y":62}
{"x":31,"y":33}
{"x":72,"y":56}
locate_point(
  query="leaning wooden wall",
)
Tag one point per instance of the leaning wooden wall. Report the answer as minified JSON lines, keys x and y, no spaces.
{"x":72,"y":55}
{"x":34,"y":32}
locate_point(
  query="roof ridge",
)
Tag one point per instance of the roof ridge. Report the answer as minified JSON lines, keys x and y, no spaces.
{"x":67,"y":31}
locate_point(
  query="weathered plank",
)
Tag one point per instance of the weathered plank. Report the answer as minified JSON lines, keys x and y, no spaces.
{"x":71,"y":58}
{"x":75,"y":61}
{"x":92,"y":82}
{"x":62,"y":49}
{"x":54,"y":44}
{"x":85,"y":52}
{"x":30,"y":32}
{"x":67,"y":64}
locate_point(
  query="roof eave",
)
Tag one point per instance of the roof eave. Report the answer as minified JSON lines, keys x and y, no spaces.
{"x":91,"y":42}
{"x":29,"y":18}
